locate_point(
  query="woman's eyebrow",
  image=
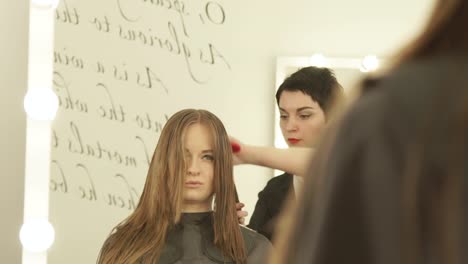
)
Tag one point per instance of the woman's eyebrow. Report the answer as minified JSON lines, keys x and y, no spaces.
{"x":305,"y":108}
{"x":299,"y":109}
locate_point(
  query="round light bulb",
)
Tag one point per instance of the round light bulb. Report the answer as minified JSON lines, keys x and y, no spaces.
{"x":318,"y":60}
{"x":369,"y":63}
{"x":46,"y":3}
{"x":41,"y":104}
{"x":37,"y":235}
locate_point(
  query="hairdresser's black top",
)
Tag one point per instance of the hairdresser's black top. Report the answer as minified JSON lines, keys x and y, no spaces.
{"x":270,"y":202}
{"x":356,"y":214}
{"x":192,"y":242}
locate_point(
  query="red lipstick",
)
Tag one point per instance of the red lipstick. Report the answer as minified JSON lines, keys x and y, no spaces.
{"x":293,"y":140}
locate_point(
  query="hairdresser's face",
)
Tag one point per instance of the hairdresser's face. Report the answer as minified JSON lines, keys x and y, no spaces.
{"x":198,"y":188}
{"x":301,"y":119}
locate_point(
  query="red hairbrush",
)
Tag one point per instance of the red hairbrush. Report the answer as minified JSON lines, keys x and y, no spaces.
{"x":235,"y":147}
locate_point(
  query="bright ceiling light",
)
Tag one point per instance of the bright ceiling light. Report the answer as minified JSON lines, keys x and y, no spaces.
{"x":318,"y":60}
{"x":369,"y":63}
{"x":37,"y":235}
{"x":41,"y":104}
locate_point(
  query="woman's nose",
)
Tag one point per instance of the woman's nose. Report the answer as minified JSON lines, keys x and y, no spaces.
{"x":193,"y":168}
{"x":291,"y":124}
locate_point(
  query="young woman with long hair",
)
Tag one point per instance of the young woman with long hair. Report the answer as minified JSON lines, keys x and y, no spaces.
{"x":174,"y":221}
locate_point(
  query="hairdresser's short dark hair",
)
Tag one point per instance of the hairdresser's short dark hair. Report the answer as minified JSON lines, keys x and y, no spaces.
{"x":319,"y":83}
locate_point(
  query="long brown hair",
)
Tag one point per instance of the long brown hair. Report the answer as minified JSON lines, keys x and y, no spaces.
{"x":435,"y":171}
{"x":433,"y":202}
{"x":142,"y":235}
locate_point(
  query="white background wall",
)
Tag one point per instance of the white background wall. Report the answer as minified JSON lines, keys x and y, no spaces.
{"x":255,"y":33}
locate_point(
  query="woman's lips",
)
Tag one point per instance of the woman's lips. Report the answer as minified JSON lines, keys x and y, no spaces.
{"x":193,"y":184}
{"x":293,"y":140}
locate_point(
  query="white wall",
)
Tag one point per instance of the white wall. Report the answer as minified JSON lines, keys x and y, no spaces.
{"x":13,"y":83}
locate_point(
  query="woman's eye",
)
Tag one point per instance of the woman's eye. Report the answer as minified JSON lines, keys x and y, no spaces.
{"x":208,"y":157}
{"x":305,"y":116}
{"x":283,"y":117}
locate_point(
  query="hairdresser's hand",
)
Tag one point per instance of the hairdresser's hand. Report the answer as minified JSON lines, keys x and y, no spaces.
{"x":238,"y":151}
{"x":241,"y":214}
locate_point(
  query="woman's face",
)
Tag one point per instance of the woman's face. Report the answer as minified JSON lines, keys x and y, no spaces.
{"x":198,"y":188}
{"x":301,"y":119}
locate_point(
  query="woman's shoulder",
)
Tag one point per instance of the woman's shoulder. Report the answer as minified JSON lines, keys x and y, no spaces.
{"x":412,"y":88}
{"x":258,"y":247}
{"x":253,"y":239}
{"x":417,"y":79}
{"x":400,"y":103}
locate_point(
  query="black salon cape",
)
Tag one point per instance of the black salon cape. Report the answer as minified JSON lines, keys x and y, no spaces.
{"x":191,"y":241}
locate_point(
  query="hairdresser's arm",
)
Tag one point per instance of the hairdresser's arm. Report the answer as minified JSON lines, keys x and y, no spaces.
{"x":292,"y":160}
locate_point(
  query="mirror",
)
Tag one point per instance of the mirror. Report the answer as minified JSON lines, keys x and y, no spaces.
{"x":122,"y":67}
